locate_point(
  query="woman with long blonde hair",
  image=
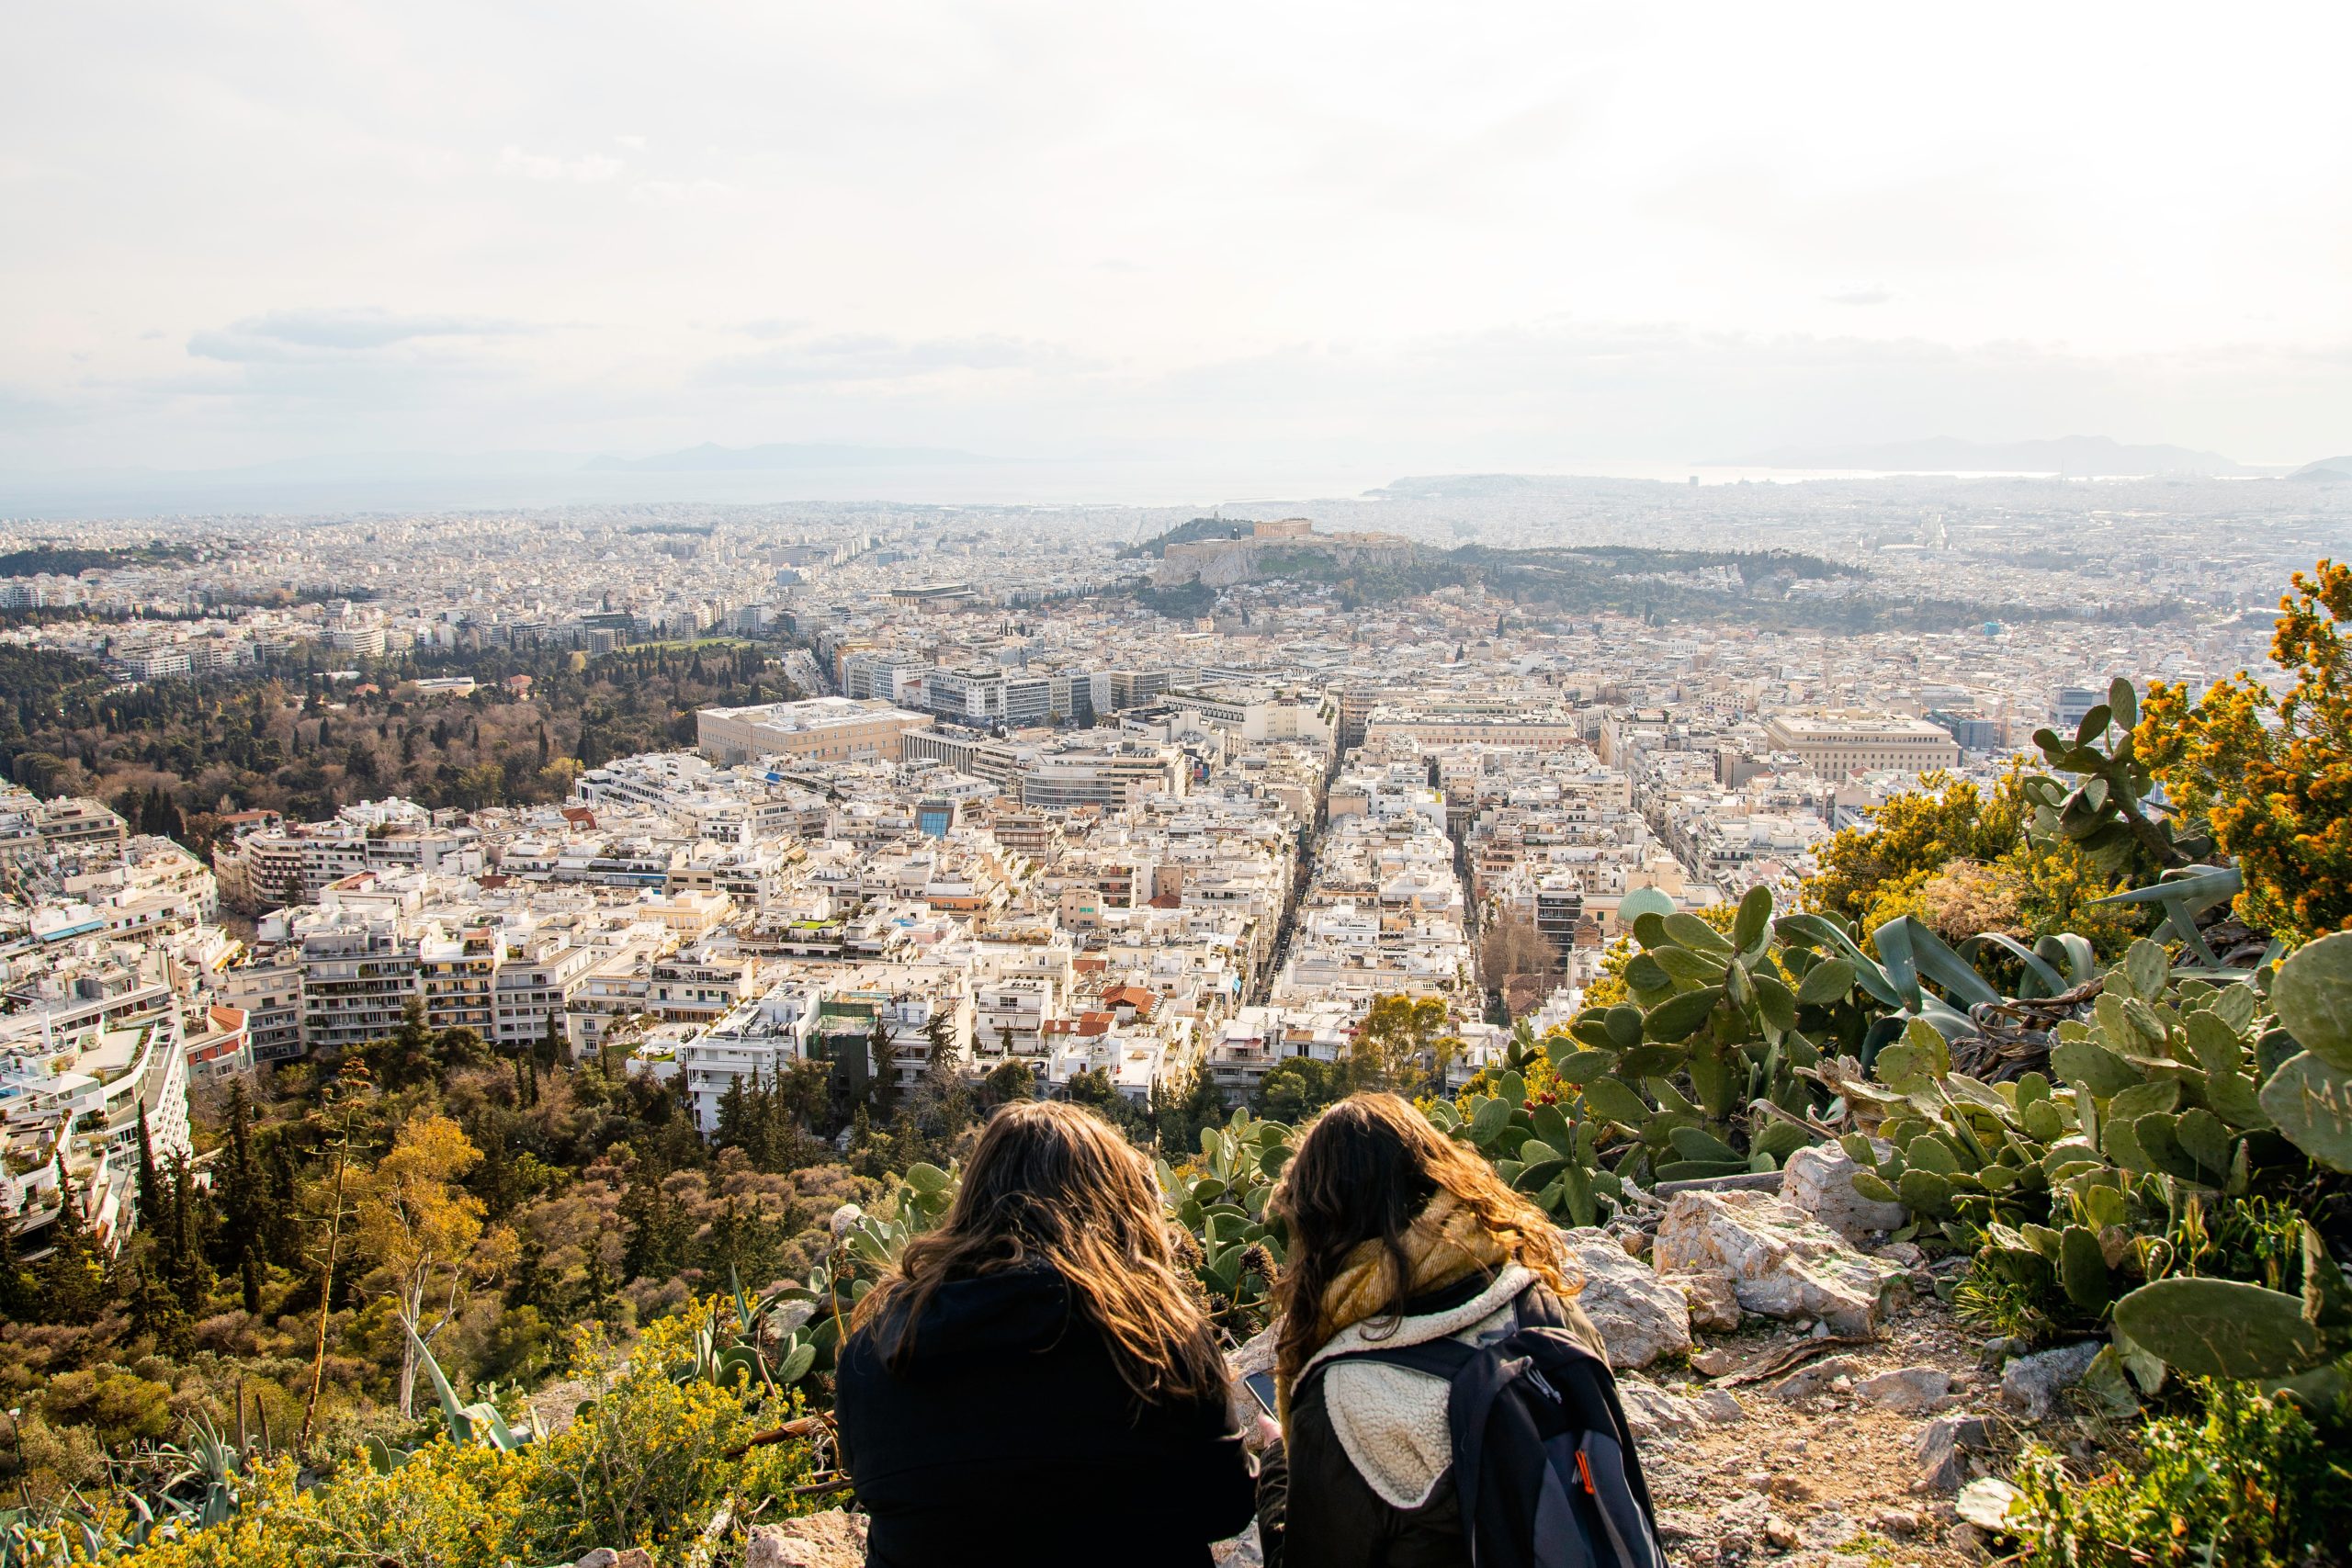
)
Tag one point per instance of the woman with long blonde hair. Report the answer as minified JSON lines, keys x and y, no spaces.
{"x":1400,"y":1238}
{"x":1034,"y":1381}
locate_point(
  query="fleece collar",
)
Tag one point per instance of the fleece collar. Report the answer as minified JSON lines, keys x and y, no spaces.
{"x":1509,"y":1281}
{"x":1445,"y":1243}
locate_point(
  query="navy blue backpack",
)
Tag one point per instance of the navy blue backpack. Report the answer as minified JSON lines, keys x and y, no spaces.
{"x":1543,"y":1463}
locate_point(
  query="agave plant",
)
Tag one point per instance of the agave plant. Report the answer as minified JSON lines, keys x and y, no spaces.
{"x":814,"y":1315}
{"x":478,"y":1422}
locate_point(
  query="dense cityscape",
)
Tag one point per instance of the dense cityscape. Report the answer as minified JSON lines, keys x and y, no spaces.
{"x":795,"y":836}
{"x":1006,"y":783}
{"x":1103,"y":802}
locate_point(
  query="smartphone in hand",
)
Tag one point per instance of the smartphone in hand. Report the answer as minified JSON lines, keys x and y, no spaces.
{"x":1262,"y":1389}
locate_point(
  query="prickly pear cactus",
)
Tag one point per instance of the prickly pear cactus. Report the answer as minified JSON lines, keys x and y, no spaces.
{"x":2229,"y":1328}
{"x":1220,"y":1199}
{"x":2309,"y":1097}
{"x":1737,"y":1017}
{"x":1551,"y":1152}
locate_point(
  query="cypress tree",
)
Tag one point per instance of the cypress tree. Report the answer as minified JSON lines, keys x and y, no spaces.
{"x":730,"y":1129}
{"x":551,"y":1050}
{"x":650,"y":1224}
{"x":150,"y":1190}
{"x":157,"y":1315}
{"x":596,"y":1287}
{"x":190,"y":1275}
{"x":15,"y":1289}
{"x":280,"y":1232}
{"x":73,"y":1284}
{"x":237,"y":1186}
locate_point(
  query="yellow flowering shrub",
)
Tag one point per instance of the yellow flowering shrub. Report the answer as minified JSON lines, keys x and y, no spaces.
{"x":2272,"y":776}
{"x":644,"y":1462}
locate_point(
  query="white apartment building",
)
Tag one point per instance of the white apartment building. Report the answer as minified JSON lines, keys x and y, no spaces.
{"x":1834,"y":744}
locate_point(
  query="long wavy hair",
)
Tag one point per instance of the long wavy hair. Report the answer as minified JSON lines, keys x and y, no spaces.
{"x":1052,"y":1184}
{"x":1363,"y":1172}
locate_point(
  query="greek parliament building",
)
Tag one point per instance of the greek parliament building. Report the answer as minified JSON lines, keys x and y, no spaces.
{"x":831,"y":727}
{"x":1836,"y":744}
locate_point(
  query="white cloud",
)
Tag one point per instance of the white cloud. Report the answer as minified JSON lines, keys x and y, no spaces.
{"x":588,"y":169}
{"x":679,"y":193}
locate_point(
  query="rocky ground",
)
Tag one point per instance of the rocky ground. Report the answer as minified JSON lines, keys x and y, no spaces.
{"x":1848,"y":1458}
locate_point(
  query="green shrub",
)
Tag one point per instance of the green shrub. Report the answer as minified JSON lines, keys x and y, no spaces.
{"x":2251,"y":1481}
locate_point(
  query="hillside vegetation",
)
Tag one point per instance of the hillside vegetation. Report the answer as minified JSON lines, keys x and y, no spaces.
{"x":289,"y":739}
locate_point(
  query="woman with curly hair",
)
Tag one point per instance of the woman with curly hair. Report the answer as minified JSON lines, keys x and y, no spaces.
{"x":1034,"y":1382}
{"x":1398,"y":1236}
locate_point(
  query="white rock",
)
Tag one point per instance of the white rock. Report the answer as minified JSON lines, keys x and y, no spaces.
{"x":1640,"y":1316}
{"x":1986,"y":1503}
{"x":1906,"y":1388}
{"x":1719,"y":1405}
{"x":1680,"y":1524}
{"x":1652,"y":1412}
{"x":1242,"y":1551}
{"x":1820,"y":1180}
{"x":2033,"y":1384}
{"x":1781,"y":1262}
{"x":1740,"y":1525}
{"x":1715,"y":1360}
{"x":1714,"y":1306}
{"x":830,"y":1539}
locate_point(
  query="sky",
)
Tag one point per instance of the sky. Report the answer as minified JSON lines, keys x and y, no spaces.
{"x":1389,"y":238}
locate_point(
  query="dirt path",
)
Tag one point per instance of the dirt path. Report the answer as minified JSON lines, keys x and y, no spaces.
{"x":1813,"y":1473}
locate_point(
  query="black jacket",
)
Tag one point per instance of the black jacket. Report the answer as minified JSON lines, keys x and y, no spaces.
{"x":1317,"y":1509}
{"x":1010,"y":1438}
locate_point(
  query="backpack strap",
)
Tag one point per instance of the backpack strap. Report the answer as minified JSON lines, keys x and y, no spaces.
{"x":1440,"y":1359}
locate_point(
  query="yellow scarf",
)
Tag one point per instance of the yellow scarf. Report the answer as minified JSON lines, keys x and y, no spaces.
{"x":1446,"y":1242}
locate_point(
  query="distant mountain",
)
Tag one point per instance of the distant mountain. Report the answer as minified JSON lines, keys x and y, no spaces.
{"x":2076,"y":456}
{"x":2327,"y":471}
{"x":711,"y":457}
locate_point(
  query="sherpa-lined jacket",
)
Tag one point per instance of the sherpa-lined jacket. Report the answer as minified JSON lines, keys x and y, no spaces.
{"x":1368,"y":1459}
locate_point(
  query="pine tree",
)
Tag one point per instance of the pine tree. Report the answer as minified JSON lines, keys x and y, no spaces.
{"x":405,"y":1058}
